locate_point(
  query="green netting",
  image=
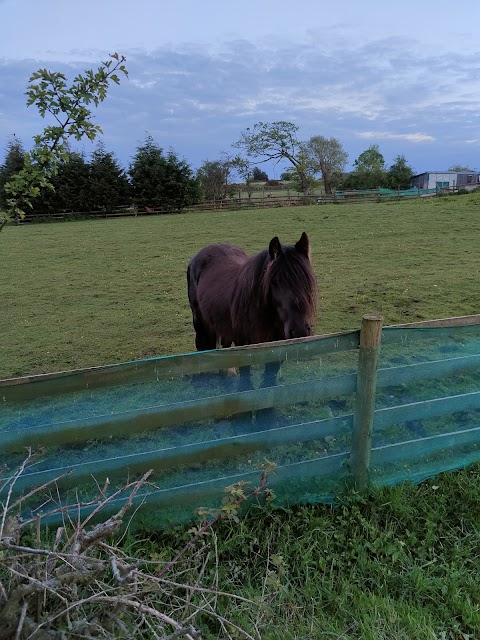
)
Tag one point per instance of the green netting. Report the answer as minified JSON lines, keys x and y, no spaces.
{"x":413,"y":191}
{"x":386,"y":193}
{"x":427,"y":412}
{"x":198,"y":427}
{"x":202,"y":429}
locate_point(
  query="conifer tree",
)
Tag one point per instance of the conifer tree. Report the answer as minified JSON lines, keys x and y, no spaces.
{"x":160,"y":181}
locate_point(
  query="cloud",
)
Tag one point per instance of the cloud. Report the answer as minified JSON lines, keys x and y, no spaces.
{"x":197,"y":99}
{"x":387,"y":135}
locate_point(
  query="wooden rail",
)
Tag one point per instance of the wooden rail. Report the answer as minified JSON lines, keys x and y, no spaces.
{"x":360,"y":442}
{"x":279,"y":197}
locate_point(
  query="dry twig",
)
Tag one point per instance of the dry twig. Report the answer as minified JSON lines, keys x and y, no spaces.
{"x":79,"y":584}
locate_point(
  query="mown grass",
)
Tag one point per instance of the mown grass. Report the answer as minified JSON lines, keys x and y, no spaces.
{"x":403,"y":563}
{"x":104,"y":291}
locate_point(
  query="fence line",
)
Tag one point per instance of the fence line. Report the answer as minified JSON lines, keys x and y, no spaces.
{"x":368,"y":441}
{"x":30,"y":387}
{"x":280,"y":197}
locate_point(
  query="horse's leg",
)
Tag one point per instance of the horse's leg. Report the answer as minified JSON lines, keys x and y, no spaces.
{"x":227,"y":375}
{"x":267,"y":417}
{"x":205,"y":339}
{"x":270,"y":374}
{"x":245,"y":382}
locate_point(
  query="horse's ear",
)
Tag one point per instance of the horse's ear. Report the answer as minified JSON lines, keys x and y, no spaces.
{"x":274,"y":248}
{"x":303,"y":245}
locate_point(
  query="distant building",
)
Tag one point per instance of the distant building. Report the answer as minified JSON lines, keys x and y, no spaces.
{"x":446,"y":180}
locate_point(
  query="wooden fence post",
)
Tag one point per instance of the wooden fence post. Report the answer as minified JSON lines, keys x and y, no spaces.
{"x":370,"y":339}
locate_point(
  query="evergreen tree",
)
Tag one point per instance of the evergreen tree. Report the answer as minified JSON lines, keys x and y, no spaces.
{"x":163,"y":182}
{"x":12,"y":164}
{"x":108,"y":185}
{"x":70,"y":187}
{"x":72,"y":184}
{"x":180,"y":187}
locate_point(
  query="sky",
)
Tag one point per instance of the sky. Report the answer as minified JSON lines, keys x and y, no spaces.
{"x":401,"y":75}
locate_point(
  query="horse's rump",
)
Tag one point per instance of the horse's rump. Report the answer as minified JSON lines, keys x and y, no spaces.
{"x":210,"y":275}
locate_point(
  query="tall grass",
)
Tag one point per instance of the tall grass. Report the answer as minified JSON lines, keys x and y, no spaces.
{"x":402,"y":564}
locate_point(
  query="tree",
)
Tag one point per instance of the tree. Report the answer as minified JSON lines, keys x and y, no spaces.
{"x":327,"y":157}
{"x":258,"y":174}
{"x":369,"y":170}
{"x":69,"y":107}
{"x":459,"y":167}
{"x":302,"y":184}
{"x":180,"y":186}
{"x":288,"y":175}
{"x":71,"y":187}
{"x":276,"y":141}
{"x":13,"y":163}
{"x":245,"y":173}
{"x":161,"y":181}
{"x":399,"y":174}
{"x":213,"y":179}
{"x":109,"y":186}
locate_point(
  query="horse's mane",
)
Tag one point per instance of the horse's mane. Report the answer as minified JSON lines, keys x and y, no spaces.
{"x":294,"y":271}
{"x":251,"y":292}
{"x":250,"y":278}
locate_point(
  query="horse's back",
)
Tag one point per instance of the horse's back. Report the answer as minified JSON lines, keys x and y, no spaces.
{"x":214,"y":263}
{"x":210,"y":275}
{"x":215,"y":256}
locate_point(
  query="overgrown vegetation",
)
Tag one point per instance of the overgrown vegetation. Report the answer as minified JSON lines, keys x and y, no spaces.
{"x":402,"y":563}
{"x":74,"y":582}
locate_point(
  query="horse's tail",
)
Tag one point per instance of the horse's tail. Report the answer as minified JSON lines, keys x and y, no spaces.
{"x":191,"y":288}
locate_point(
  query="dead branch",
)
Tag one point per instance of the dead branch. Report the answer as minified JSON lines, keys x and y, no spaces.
{"x":81,"y":578}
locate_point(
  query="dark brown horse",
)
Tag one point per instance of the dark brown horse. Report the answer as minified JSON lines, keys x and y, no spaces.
{"x":240,"y":300}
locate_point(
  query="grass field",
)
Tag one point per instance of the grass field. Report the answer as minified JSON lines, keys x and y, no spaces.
{"x":402,"y":564}
{"x":103,"y":291}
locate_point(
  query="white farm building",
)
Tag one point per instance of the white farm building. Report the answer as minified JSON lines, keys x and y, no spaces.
{"x":446,"y":180}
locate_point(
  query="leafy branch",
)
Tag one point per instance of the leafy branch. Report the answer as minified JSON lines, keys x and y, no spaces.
{"x":69,"y":106}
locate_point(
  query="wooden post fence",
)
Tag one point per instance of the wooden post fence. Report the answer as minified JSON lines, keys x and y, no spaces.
{"x":370,"y":339}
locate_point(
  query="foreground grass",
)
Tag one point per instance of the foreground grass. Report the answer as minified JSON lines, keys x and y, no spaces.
{"x":102,"y":291}
{"x":402,"y":564}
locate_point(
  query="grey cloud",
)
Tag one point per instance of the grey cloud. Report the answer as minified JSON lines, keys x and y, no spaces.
{"x":198,"y":99}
